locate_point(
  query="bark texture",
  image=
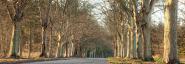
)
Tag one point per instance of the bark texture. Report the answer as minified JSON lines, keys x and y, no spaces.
{"x":170,"y":32}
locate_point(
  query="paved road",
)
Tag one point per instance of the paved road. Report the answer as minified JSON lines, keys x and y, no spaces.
{"x":75,"y":61}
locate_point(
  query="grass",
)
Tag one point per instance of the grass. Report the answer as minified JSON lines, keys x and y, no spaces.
{"x":118,"y":60}
{"x":157,"y":60}
{"x":112,"y":60}
{"x":24,"y":58}
{"x":34,"y":56}
{"x":7,"y":60}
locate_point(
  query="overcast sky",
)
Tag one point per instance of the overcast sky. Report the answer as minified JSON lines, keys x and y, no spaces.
{"x":98,"y":10}
{"x":157,"y":16}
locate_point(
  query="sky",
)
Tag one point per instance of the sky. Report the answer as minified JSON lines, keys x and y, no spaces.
{"x":99,"y":6}
{"x":157,"y":17}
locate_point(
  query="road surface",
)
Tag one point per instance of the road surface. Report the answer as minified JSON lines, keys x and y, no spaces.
{"x":75,"y":61}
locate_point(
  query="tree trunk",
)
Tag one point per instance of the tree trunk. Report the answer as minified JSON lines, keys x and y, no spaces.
{"x":30,"y":41}
{"x":43,"y":46}
{"x":125,"y":49}
{"x":1,"y":38}
{"x":123,"y":43}
{"x":140,"y":43}
{"x":58,"y":45}
{"x":146,"y":34}
{"x":50,"y":43}
{"x":72,"y":49}
{"x":135,"y":56}
{"x":134,"y":32}
{"x":21,"y":50}
{"x":121,"y":50}
{"x":14,"y":45}
{"x":11,"y":51}
{"x":170,"y":32}
{"x":66,"y":49}
{"x":148,"y":6}
{"x":131,"y":44}
{"x":128,"y":45}
{"x":115,"y":48}
{"x":118,"y":46}
{"x":147,"y":43}
{"x":148,"y":46}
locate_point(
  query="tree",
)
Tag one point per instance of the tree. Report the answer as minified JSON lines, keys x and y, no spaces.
{"x":16,"y":10}
{"x":170,"y":32}
{"x":145,"y":24}
{"x":44,"y":11}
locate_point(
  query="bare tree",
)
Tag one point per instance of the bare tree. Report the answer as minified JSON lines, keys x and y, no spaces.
{"x":170,"y":32}
{"x":16,"y":10}
{"x":44,"y":11}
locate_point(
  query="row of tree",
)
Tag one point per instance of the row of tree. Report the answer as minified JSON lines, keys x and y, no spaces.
{"x":130,"y":23}
{"x":50,"y":28}
{"x":67,"y":28}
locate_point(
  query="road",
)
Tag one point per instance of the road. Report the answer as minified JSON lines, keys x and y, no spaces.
{"x":75,"y":61}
